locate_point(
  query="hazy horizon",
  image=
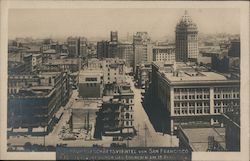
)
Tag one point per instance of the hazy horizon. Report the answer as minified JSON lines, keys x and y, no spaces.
{"x":97,"y":23}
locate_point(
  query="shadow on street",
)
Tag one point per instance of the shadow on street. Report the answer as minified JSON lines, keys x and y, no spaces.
{"x":157,"y":114}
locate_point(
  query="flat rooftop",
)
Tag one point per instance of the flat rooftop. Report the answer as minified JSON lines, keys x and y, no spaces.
{"x":198,"y":137}
{"x":35,"y":92}
{"x":193,"y":76}
{"x":85,"y":104}
{"x":187,"y":72}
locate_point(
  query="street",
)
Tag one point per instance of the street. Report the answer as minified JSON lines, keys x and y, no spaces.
{"x":147,"y":136}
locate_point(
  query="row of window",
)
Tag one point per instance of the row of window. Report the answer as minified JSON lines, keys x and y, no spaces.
{"x":220,"y":110}
{"x":109,"y":74}
{"x":127,"y":100}
{"x":191,"y":111}
{"x":234,"y":95}
{"x":191,"y":89}
{"x":163,"y":51}
{"x":114,"y":78}
{"x":128,"y":116}
{"x":226,"y":103}
{"x":226,"y":89}
{"x":129,"y":108}
{"x":205,"y":104}
{"x":206,"y":96}
{"x":13,"y":90}
{"x":217,"y":110}
{"x":20,"y":83}
{"x":165,"y":56}
{"x":90,"y":79}
{"x":163,"y":59}
{"x":191,"y":104}
{"x":185,"y":97}
{"x":128,"y":123}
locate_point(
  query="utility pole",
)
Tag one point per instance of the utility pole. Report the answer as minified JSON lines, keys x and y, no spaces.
{"x":88,"y":121}
{"x":44,"y":137}
{"x":145,"y":129}
{"x":162,"y":128}
{"x":85,"y":122}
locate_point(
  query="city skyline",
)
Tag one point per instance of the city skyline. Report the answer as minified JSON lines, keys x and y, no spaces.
{"x":97,"y":23}
{"x":127,"y":78}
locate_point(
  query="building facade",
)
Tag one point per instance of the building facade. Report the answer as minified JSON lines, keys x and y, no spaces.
{"x":140,"y":42}
{"x":27,"y":59}
{"x":116,"y":114}
{"x":126,"y":52}
{"x":234,"y":49}
{"x":50,"y":54}
{"x":163,"y":54}
{"x":232,"y":125}
{"x":143,"y":75}
{"x":186,"y":40}
{"x":103,"y":49}
{"x":36,"y":61}
{"x":33,"y":100}
{"x":194,"y":97}
{"x":16,"y":67}
{"x":113,"y":69}
{"x":83,"y":47}
{"x":113,"y":44}
{"x":73,"y":46}
{"x":32,"y":108}
{"x":69,"y":64}
{"x":16,"y":82}
{"x":90,"y":83}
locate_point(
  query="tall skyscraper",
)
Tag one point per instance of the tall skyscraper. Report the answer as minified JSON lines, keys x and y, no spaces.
{"x":77,"y":46}
{"x":108,"y":49}
{"x":126,"y":51}
{"x":102,"y":49}
{"x":114,"y":36}
{"x":186,"y":39}
{"x":113,"y":50}
{"x":234,"y":49}
{"x":73,"y":46}
{"x":140,"y":42}
{"x":83,"y":47}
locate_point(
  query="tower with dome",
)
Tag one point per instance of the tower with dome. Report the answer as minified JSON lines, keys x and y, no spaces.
{"x":186,"y":40}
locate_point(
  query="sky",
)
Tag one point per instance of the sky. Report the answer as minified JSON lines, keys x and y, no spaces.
{"x":98,"y":22}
